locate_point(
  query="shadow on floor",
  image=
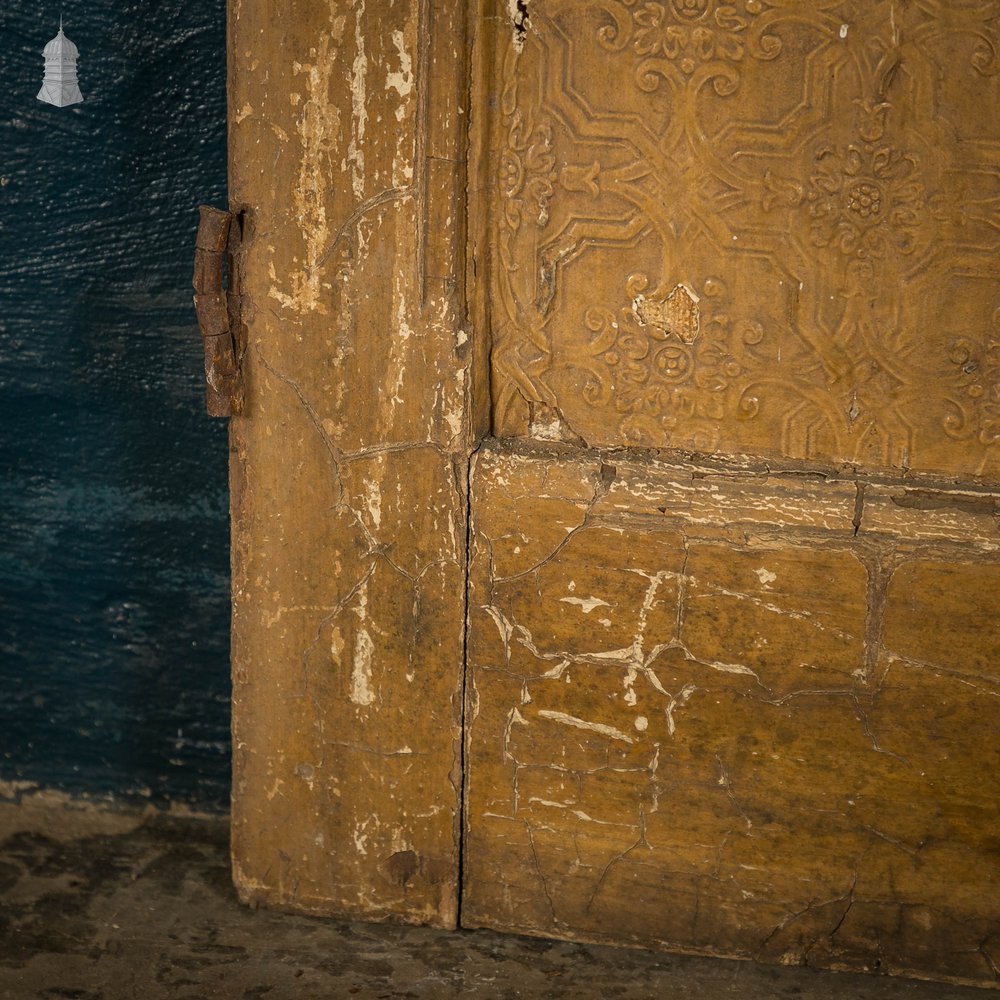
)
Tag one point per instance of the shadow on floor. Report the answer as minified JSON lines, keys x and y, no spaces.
{"x":107,"y":906}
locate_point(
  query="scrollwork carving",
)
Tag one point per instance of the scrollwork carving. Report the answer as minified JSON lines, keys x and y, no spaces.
{"x":977,"y":381}
{"x":804,"y":156}
{"x":666,"y":362}
{"x":527,"y":173}
{"x":689,"y":40}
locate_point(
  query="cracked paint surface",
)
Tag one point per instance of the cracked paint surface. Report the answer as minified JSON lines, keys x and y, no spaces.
{"x":775,"y":748}
{"x":348,"y":506}
{"x":709,"y":709}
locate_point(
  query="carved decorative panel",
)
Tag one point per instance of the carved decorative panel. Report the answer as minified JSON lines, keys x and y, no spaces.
{"x":763,"y":227}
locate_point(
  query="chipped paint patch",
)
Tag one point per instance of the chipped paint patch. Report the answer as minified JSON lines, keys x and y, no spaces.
{"x":373,"y":502}
{"x":517,"y":10}
{"x":318,"y":131}
{"x":336,"y":645}
{"x":587,"y":604}
{"x":402,"y":80}
{"x":361,"y":674}
{"x":546,"y":431}
{"x":594,"y":727}
{"x":359,"y":110}
{"x":361,"y":838}
{"x":361,"y":692}
{"x":396,"y":368}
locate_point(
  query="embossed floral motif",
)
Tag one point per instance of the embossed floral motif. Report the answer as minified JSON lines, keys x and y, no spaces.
{"x":864,"y":200}
{"x":526,"y":172}
{"x":690,"y":34}
{"x":978,"y":383}
{"x":668,"y":361}
{"x":527,"y":166}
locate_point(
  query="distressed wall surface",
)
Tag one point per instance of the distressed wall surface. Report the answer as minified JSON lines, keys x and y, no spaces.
{"x":741,"y":713}
{"x":114,"y":578}
{"x":350,"y":461}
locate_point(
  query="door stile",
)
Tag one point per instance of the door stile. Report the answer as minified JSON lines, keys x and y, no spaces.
{"x":349,"y":461}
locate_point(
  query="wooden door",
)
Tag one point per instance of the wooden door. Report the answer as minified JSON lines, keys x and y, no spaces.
{"x":616,"y":493}
{"x":733,"y":661}
{"x":350,"y":460}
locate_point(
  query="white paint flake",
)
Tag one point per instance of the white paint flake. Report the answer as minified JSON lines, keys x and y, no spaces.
{"x":402,"y":81}
{"x":678,"y":702}
{"x":359,"y":111}
{"x":361,"y":673}
{"x":593,"y":727}
{"x":586,"y":604}
{"x":361,"y":692}
{"x":373,"y":501}
{"x":504,"y":627}
{"x":361,"y":839}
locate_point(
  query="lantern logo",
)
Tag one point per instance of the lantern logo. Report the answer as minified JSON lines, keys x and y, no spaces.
{"x":60,"y":86}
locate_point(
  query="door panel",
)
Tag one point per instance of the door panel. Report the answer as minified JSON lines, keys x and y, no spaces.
{"x":712,"y":711}
{"x":750,"y":228}
{"x":746,"y":703}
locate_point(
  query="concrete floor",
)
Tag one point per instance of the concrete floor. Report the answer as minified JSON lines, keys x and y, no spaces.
{"x":102,"y":906}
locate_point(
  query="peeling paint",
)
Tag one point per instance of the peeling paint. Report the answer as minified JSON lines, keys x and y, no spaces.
{"x":593,"y":727}
{"x":318,"y":130}
{"x":359,"y":102}
{"x":361,"y":839}
{"x":546,"y":431}
{"x":402,"y":80}
{"x":517,"y":11}
{"x":361,"y":675}
{"x":586,"y":604}
{"x":361,"y":692}
{"x":355,"y":446}
{"x":373,"y":502}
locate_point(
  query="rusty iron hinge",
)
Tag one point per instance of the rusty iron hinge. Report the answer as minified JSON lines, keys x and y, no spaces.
{"x":218,"y":309}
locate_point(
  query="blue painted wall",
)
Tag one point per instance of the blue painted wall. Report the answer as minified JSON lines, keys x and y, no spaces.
{"x":114,"y":672}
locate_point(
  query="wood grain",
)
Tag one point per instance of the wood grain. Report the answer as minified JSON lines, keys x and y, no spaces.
{"x":706,"y":722}
{"x":349,"y":463}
